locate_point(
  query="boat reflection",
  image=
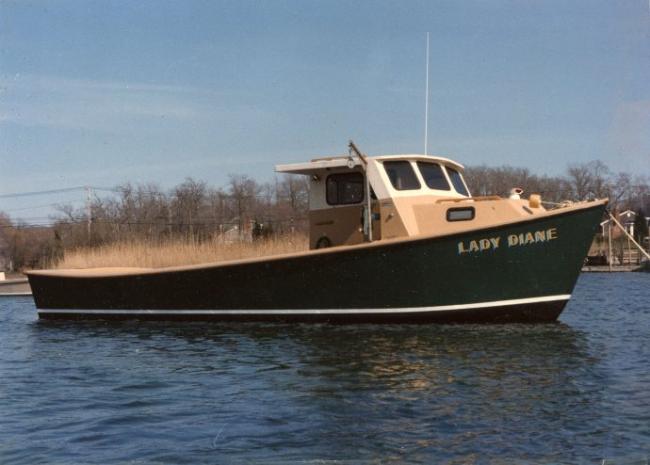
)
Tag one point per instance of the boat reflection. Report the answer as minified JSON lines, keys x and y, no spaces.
{"x":496,"y":359}
{"x":456,"y":388}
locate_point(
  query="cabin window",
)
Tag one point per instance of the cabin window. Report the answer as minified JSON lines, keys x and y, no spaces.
{"x":433,"y":176}
{"x":461,"y":214}
{"x":345,"y":188}
{"x":401,"y":175}
{"x":457,"y":181}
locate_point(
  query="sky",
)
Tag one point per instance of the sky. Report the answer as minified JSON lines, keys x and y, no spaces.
{"x":106,"y":92}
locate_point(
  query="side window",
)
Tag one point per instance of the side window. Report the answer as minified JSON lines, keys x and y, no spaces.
{"x":461,"y":214}
{"x":433,"y":176}
{"x":401,"y":175}
{"x":457,"y":181}
{"x":345,"y":188}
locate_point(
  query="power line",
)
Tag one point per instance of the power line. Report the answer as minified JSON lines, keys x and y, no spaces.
{"x":49,"y":222}
{"x":34,"y":193}
{"x":34,"y":207}
{"x":117,"y":190}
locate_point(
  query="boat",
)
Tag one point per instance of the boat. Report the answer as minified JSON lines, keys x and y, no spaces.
{"x":393,"y":239}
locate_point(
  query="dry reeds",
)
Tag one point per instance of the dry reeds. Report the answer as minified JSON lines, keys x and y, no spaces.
{"x":147,"y":254}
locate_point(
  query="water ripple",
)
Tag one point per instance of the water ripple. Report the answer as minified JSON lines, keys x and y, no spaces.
{"x":148,"y":393}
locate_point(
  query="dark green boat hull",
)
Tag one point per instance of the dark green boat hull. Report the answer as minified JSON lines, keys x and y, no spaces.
{"x":456,"y":278}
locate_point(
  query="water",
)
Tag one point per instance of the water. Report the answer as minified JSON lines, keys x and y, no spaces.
{"x":159,"y":392}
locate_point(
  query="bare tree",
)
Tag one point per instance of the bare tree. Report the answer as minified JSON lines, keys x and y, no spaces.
{"x":243,"y":191}
{"x":589,"y":179}
{"x":294,"y":190}
{"x":187,"y":204}
{"x":580,"y":179}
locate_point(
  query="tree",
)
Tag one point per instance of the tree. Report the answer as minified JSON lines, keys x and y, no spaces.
{"x":243,"y":191}
{"x":294,"y":190}
{"x":484,"y":180}
{"x":5,"y":225}
{"x":189,"y":199}
{"x":589,"y":179}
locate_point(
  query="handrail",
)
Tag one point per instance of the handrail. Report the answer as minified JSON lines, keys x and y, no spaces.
{"x":353,"y":148}
{"x":476,"y":199}
{"x":368,"y":216}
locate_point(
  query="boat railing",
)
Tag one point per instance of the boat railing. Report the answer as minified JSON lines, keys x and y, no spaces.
{"x":481,"y":198}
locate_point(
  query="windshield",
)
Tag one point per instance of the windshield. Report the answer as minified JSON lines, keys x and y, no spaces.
{"x":433,"y":176}
{"x":457,"y":181}
{"x":401,"y":175}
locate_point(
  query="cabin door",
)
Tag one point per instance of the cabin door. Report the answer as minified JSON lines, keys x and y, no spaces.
{"x":341,"y":223}
{"x":336,"y":226}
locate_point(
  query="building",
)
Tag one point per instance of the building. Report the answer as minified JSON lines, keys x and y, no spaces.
{"x":626,"y":218}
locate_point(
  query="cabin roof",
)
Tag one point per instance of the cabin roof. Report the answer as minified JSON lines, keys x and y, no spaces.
{"x":341,"y":161}
{"x":316,"y":164}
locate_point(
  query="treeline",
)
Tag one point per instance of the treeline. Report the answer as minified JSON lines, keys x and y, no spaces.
{"x":191,"y":211}
{"x":581,"y":182}
{"x":245,"y":209}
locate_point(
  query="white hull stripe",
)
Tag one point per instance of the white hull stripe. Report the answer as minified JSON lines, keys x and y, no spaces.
{"x":309,"y":311}
{"x":13,"y":294}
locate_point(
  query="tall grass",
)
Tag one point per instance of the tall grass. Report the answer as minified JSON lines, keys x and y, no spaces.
{"x":149,"y":254}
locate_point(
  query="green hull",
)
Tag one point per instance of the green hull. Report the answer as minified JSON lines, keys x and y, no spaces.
{"x":517,"y":272}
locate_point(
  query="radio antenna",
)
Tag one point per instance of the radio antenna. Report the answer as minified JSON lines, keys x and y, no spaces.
{"x":426,"y":103}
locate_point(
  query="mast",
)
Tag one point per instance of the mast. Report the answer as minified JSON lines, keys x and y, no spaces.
{"x":426,"y":103}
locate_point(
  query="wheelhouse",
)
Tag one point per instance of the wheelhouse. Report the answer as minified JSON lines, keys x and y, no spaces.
{"x":344,"y":189}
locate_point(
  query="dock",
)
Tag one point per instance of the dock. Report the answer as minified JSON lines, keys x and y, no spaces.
{"x":14,"y":287}
{"x":613,"y":269}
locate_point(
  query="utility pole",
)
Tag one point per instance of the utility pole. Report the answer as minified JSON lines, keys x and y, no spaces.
{"x":89,"y":211}
{"x":609,"y":240}
{"x":169,"y":219}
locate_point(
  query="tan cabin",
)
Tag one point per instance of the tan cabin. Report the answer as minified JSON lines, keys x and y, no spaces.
{"x":409,"y":195}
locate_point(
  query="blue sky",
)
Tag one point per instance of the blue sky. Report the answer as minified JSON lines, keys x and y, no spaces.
{"x":107,"y":92}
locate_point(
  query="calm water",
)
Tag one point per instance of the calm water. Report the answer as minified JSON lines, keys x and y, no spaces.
{"x":573,"y":392}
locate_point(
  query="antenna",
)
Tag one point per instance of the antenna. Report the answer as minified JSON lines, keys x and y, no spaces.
{"x":426,"y":103}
